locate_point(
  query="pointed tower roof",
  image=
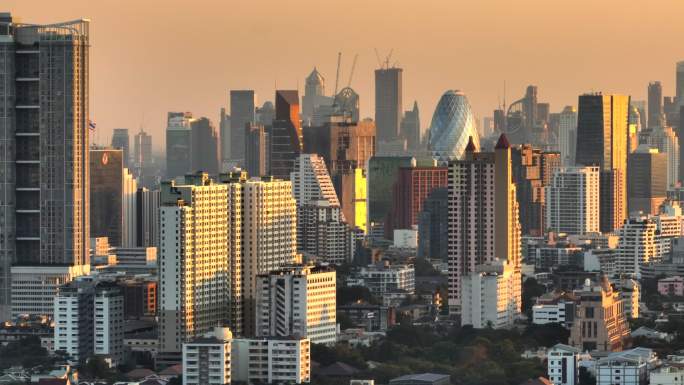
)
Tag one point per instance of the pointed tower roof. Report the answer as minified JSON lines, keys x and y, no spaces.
{"x":315,"y":77}
{"x":471,"y":145}
{"x":502,"y":143}
{"x":415,"y":105}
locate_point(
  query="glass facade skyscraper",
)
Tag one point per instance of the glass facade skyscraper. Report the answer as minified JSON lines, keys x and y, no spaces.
{"x":452,"y":125}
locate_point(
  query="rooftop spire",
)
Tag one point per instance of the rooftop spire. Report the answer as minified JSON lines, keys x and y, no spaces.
{"x":502,"y":143}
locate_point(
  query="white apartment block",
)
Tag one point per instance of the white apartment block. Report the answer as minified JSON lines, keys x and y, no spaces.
{"x":639,"y":244}
{"x":551,"y":313}
{"x":629,"y":367}
{"x":572,"y":200}
{"x":194,"y":265}
{"x":383,"y":279}
{"x":207,"y":360}
{"x":89,"y":320}
{"x":108,"y":318}
{"x":671,"y":373}
{"x":311,"y":181}
{"x":488,"y":296}
{"x":271,"y":360}
{"x":73,"y":317}
{"x":563,"y":364}
{"x":298,"y":301}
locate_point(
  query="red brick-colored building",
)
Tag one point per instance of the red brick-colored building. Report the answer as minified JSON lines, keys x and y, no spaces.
{"x":413,"y":185}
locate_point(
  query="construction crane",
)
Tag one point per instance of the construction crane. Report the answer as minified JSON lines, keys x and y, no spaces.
{"x":351,"y":73}
{"x":337,"y":77}
{"x":384,"y":64}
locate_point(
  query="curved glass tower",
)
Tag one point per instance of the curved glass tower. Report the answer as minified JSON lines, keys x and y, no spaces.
{"x":452,"y":124}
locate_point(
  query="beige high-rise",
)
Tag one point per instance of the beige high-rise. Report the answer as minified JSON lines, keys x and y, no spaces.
{"x":483,"y":221}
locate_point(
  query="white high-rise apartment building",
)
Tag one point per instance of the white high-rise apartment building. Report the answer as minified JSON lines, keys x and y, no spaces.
{"x":572,"y":200}
{"x":194,"y":265}
{"x":298,"y":300}
{"x":269,"y":237}
{"x":488,"y":296}
{"x":73,"y":317}
{"x":563,"y":365}
{"x":567,"y":135}
{"x":271,"y":360}
{"x":311,"y":181}
{"x":108,"y":318}
{"x":639,"y":244}
{"x":207,"y":360}
{"x":483,"y":220}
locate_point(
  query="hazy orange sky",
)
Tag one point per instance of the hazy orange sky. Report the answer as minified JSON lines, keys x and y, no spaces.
{"x":153,"y":56}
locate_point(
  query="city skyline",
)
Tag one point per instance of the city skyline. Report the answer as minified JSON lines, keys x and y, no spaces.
{"x":133,"y":92}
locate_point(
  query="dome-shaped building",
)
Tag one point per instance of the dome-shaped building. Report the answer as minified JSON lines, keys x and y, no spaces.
{"x":451,"y":127}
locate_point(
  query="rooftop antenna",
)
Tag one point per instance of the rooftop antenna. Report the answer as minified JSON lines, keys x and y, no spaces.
{"x":504,"y":97}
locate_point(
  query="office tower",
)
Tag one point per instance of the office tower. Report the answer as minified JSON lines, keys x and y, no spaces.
{"x":314,"y":96}
{"x":224,"y":139}
{"x":178,"y":144}
{"x":639,"y":244}
{"x":433,"y":225}
{"x":381,"y":174}
{"x":452,"y":127}
{"x":322,"y":233}
{"x":143,"y":163}
{"x":410,"y":129}
{"x":640,"y":106}
{"x":268,"y":354}
{"x":388,"y":104}
{"x":602,"y":122}
{"x":311,"y":181}
{"x":667,"y":142}
{"x":204,"y":148}
{"x":147,"y":203}
{"x":680,"y":140}
{"x":44,"y":188}
{"x":194,"y":267}
{"x":286,"y":134}
{"x":600,"y":323}
{"x":270,"y":213}
{"x":567,"y":135}
{"x":298,"y":300}
{"x":121,"y":140}
{"x":343,"y":144}
{"x":680,"y":83}
{"x":413,"y":185}
{"x":656,"y":113}
{"x":532,"y":170}
{"x":563,"y":364}
{"x":634,"y":128}
{"x":671,"y":111}
{"x":265,"y":114}
{"x":106,"y":195}
{"x":257,"y":150}
{"x":572,"y":201}
{"x":112,"y":198}
{"x":198,"y":369}
{"x":646,"y":180}
{"x":242,"y":109}
{"x":483,"y":222}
